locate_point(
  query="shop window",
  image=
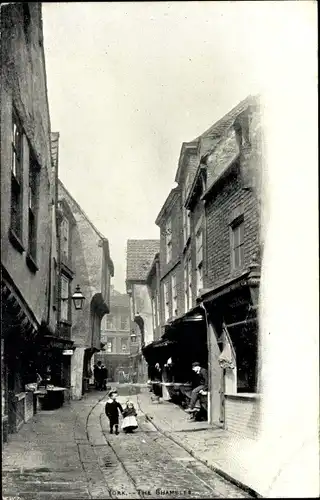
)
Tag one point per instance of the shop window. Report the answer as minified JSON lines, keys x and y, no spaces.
{"x":245,"y":343}
{"x":174,"y":295}
{"x":34,"y":174}
{"x":237,"y":243}
{"x":16,"y":177}
{"x":168,"y":234}
{"x":65,"y":300}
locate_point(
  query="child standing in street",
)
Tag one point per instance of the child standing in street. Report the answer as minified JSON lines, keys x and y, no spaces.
{"x":129,"y":423}
{"x":112,"y":409}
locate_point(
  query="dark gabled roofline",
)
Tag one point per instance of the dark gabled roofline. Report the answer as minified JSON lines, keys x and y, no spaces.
{"x":242,"y":106}
{"x":167,"y":204}
{"x":220,"y":177}
{"x":192,"y":145}
{"x":153,"y":265}
{"x":82,"y":211}
{"x":225,"y":118}
{"x":193,"y":186}
{"x":104,"y":240}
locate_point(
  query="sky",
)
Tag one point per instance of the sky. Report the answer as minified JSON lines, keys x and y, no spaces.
{"x":129,"y":82}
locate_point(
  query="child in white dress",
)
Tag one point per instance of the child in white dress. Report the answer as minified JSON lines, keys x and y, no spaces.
{"x":129,"y":423}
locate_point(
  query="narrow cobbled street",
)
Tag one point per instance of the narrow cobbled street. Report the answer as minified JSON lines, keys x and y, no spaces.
{"x":72,"y":455}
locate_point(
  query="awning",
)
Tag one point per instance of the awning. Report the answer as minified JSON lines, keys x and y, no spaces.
{"x":194,"y":317}
{"x":54,"y":342}
{"x":158,"y":349}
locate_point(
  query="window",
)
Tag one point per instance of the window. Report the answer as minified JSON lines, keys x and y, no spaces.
{"x":199,"y":256}
{"x":109,"y":347}
{"x":166,"y":301}
{"x":245,"y":343}
{"x":174,"y":295}
{"x":237,"y":243}
{"x":185,"y":212}
{"x":65,"y":300}
{"x":124,"y":323}
{"x":186,"y":225}
{"x":157,"y":308}
{"x":34,"y":171}
{"x":16,"y":177}
{"x":154,"y":312}
{"x":168,"y":241}
{"x":188,"y":282}
{"x":110,"y":322}
{"x":124,"y":345}
{"x":133,"y":339}
{"x":64,"y":238}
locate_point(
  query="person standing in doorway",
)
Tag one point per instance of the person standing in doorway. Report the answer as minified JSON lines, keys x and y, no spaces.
{"x":157,"y":385}
{"x":104,"y":377}
{"x":97,"y":372}
{"x":202,"y":385}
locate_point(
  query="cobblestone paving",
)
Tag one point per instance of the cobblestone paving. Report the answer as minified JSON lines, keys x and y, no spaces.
{"x":71,"y":455}
{"x":159,"y":468}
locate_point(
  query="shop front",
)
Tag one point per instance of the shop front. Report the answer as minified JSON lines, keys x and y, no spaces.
{"x":234,"y":329}
{"x":184,"y":342}
{"x":18,"y":340}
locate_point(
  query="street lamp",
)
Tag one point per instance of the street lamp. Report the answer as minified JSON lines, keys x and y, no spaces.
{"x":78,"y":299}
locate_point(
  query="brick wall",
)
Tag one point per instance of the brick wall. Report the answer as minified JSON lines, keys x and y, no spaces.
{"x":220,"y":210}
{"x":242,"y":415}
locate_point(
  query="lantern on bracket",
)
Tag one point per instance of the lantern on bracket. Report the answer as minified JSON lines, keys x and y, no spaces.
{"x":78,"y":299}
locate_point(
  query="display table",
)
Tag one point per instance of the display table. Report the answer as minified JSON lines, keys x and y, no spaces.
{"x":51,"y":397}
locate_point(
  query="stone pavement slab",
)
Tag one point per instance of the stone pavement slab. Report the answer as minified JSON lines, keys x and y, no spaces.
{"x":224,"y":452}
{"x":47,"y":458}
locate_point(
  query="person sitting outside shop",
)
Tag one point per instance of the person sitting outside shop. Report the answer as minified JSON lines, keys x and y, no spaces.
{"x":201,"y":388}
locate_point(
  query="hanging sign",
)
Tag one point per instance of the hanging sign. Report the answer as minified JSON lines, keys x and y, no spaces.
{"x":67,"y":352}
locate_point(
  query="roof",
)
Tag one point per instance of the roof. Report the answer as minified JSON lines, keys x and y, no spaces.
{"x":80,"y":210}
{"x":140,"y":256}
{"x":105,"y":241}
{"x":119,"y":300}
{"x":218,"y":128}
{"x":153,"y":265}
{"x":167,"y":204}
{"x":218,"y":131}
